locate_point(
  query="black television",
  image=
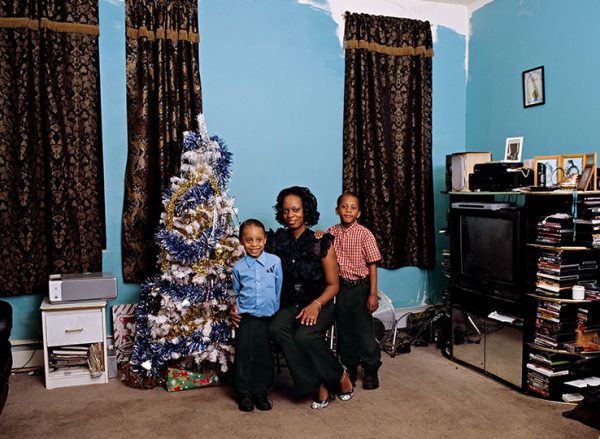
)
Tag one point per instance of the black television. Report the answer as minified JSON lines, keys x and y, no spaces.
{"x":487,"y":250}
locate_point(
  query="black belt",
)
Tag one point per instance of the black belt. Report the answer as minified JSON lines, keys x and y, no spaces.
{"x":353,"y":282}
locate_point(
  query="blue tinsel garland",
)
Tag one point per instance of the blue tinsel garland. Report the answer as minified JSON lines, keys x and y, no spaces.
{"x":151,"y":354}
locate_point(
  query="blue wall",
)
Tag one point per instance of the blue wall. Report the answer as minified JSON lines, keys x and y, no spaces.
{"x":510,"y":36}
{"x":272,"y":78}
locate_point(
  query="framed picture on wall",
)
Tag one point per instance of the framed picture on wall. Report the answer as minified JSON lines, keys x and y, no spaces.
{"x":514,"y":149}
{"x":533,"y":87}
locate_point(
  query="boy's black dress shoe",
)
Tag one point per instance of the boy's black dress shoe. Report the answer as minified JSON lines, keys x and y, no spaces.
{"x":245,"y":404}
{"x":262,"y":402}
{"x":371,"y":381}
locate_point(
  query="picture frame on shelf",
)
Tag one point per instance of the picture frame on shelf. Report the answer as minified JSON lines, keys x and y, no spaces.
{"x":514,"y":149}
{"x":573,"y":164}
{"x":533,"y":87}
{"x":552,"y":168}
{"x":586,"y":178}
{"x":588,"y":181}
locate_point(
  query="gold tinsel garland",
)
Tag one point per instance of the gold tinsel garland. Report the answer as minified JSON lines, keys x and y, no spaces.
{"x":221,"y":256}
{"x":186,"y":186}
{"x":187,"y":326}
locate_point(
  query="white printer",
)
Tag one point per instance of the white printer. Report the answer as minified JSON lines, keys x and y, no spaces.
{"x":81,"y":287}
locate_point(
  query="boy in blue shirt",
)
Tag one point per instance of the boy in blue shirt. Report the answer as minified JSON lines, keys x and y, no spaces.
{"x":257,"y":280}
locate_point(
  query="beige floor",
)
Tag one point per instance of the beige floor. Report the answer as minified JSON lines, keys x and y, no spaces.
{"x":423,"y":395}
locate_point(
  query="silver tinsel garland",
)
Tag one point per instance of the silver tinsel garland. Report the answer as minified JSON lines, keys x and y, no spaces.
{"x":184,"y":312}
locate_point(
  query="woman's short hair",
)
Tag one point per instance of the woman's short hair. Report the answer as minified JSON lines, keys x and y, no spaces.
{"x":309,"y":205}
{"x":250,"y":222}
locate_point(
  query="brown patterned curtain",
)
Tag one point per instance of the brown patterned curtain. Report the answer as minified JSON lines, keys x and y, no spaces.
{"x":163,"y":99}
{"x":387,"y":134}
{"x":51,"y":184}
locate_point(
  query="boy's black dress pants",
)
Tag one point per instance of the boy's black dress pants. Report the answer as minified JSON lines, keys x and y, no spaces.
{"x":356,"y":340}
{"x":253,"y":367}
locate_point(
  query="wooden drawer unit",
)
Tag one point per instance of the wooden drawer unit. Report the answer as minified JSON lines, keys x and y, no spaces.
{"x":73,"y":325}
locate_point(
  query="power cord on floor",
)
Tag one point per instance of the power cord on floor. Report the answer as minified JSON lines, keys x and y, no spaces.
{"x":392,"y":343}
{"x":24,"y":366}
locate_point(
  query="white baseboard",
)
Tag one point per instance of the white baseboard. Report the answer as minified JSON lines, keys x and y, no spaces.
{"x":27,"y":354}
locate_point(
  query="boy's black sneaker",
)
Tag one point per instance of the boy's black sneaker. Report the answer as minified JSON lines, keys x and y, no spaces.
{"x":261,"y":402}
{"x":245,"y":404}
{"x":371,"y":381}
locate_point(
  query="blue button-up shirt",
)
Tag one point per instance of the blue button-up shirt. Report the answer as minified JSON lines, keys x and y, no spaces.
{"x":257,"y":284}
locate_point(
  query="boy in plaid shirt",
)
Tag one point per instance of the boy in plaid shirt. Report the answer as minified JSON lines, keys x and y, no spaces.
{"x":357,"y":256}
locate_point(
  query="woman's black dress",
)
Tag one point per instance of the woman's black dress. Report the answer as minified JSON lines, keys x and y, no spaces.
{"x":307,"y":353}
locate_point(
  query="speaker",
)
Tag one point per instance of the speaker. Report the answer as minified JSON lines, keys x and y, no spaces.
{"x":458,"y":167}
{"x":449,"y":172}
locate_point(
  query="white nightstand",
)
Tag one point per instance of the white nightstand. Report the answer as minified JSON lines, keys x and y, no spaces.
{"x":68,"y":325}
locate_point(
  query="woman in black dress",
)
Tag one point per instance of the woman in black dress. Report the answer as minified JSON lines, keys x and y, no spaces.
{"x":307,"y":311}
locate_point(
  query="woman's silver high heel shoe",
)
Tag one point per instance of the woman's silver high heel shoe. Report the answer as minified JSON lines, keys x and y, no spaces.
{"x":318,"y":405}
{"x":347,"y":396}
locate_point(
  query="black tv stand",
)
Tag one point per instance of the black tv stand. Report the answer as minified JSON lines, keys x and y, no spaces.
{"x":479,"y":341}
{"x":485,"y":344}
{"x":515,"y":352}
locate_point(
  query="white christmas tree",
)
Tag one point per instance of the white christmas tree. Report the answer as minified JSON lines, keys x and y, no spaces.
{"x":183,"y":314}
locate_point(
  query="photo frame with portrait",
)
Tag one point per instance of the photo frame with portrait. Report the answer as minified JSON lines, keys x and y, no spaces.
{"x":533,"y":87}
{"x":513,"y":149}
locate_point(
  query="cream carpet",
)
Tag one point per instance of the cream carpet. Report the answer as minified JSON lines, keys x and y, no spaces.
{"x":422,"y":395}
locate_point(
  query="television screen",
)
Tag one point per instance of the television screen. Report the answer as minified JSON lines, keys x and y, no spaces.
{"x":487,"y":248}
{"x":486,"y":251}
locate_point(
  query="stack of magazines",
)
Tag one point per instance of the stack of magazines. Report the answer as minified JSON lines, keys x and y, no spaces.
{"x":68,"y":357}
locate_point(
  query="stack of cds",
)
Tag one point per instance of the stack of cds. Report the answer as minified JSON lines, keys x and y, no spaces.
{"x":556,"y":274}
{"x":588,"y":223}
{"x":555,"y":327}
{"x":555,"y":230}
{"x":588,"y":268}
{"x":558,"y":271}
{"x":546,"y":371}
{"x":592,"y":290}
{"x":555,"y":324}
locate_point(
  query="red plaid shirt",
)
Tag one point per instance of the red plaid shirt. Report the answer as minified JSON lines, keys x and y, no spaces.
{"x":355,"y":247}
